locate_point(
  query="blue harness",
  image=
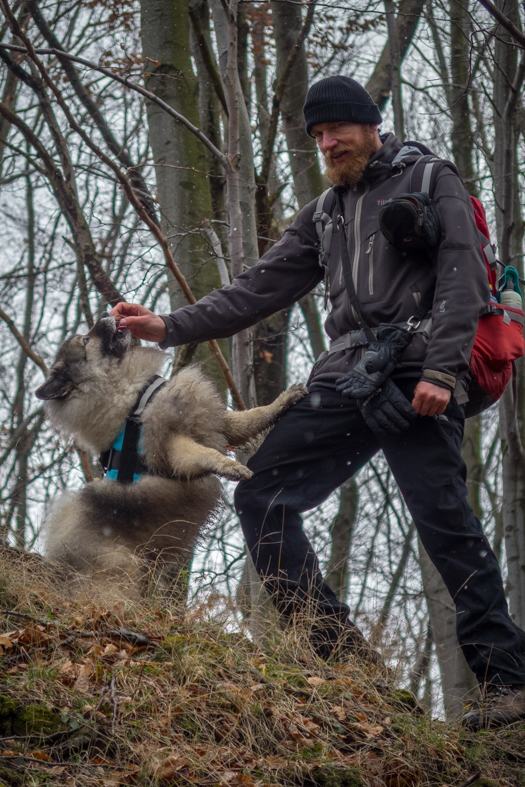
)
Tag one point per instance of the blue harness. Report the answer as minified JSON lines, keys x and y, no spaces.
{"x":123,"y":462}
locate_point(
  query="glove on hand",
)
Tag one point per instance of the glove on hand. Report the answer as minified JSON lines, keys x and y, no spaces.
{"x":388,"y":412}
{"x":377,"y":364}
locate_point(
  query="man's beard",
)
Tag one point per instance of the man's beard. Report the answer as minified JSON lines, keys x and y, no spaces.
{"x":349,"y":172}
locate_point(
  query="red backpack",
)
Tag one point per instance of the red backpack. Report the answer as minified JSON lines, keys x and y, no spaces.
{"x":499,"y":338}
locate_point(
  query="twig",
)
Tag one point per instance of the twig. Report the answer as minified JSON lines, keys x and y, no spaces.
{"x":471,"y":780}
{"x":133,"y":637}
{"x":115,"y":705}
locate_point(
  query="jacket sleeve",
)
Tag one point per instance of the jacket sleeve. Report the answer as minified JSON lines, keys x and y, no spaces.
{"x":284,"y":274}
{"x":462,"y":287}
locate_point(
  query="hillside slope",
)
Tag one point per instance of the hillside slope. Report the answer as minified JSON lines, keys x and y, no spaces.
{"x":134,"y":695}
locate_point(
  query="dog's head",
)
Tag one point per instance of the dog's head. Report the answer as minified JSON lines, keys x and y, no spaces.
{"x":81,"y":354}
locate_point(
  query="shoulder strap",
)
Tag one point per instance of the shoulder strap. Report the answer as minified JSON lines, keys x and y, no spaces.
{"x":347,"y":268}
{"x":425,"y":171}
{"x":324,"y":225}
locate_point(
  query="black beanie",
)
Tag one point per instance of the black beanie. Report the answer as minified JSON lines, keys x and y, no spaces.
{"x":339,"y":99}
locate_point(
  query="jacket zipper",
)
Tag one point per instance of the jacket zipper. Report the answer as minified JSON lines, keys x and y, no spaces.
{"x":357,"y":242}
{"x":370,"y":252}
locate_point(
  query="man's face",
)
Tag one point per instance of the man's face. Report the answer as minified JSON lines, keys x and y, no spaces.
{"x":347,"y":148}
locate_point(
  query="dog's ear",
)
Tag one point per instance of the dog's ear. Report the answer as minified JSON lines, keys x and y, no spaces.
{"x":55,"y":387}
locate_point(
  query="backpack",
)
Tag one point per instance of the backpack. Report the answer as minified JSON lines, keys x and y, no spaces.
{"x":499,"y":338}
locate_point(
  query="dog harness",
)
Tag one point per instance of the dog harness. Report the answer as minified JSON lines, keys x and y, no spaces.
{"x":122,"y":462}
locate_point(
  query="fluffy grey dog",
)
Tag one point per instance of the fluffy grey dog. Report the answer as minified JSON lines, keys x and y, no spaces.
{"x":110,"y":531}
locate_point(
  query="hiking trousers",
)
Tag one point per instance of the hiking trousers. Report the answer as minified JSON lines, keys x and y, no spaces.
{"x":318,"y":444}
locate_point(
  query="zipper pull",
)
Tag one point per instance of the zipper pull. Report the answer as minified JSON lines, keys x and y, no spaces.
{"x":370,"y":245}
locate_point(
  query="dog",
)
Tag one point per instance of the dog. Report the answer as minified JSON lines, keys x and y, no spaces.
{"x":109,"y":531}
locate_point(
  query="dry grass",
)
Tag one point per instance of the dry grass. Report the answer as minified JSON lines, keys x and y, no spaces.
{"x":191,"y":704}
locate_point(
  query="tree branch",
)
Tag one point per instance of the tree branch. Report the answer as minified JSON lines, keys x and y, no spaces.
{"x":207,"y":59}
{"x":24,"y":344}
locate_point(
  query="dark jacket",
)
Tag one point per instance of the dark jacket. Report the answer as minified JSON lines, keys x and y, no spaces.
{"x":388,"y":285}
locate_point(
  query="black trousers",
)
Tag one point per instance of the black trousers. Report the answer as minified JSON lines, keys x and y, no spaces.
{"x":322,"y":441}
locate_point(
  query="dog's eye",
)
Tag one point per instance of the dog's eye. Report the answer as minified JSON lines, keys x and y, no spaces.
{"x":86,"y":340}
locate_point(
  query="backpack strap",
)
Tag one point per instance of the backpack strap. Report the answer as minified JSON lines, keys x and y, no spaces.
{"x":425,"y":171}
{"x":324,"y":226}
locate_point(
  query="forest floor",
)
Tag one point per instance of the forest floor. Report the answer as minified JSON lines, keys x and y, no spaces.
{"x":135,"y":695}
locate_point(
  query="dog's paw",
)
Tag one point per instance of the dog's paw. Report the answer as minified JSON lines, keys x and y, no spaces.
{"x":294,"y":394}
{"x":236,"y":472}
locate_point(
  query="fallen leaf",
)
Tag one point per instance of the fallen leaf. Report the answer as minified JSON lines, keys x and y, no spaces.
{"x":313,"y":681}
{"x":257,"y":687}
{"x":5,"y":642}
{"x":360,"y":716}
{"x":109,"y":650}
{"x":339,"y":712}
{"x":41,"y":755}
{"x":242,"y":778}
{"x":82,"y":682}
{"x":170,"y":767}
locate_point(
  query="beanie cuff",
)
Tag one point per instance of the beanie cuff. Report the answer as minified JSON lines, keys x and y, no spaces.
{"x":342,"y":113}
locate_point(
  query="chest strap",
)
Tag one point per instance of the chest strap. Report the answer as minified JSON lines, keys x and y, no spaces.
{"x":122,"y":461}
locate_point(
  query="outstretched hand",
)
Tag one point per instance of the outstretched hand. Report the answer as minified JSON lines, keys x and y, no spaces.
{"x":139,"y":321}
{"x":430,"y":399}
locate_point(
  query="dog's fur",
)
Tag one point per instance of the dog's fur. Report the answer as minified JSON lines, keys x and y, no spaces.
{"x":109,"y":530}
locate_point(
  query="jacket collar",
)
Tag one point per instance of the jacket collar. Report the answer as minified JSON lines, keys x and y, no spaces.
{"x":380,"y":165}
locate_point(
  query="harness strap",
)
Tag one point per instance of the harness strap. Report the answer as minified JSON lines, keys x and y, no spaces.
{"x":125,"y":460}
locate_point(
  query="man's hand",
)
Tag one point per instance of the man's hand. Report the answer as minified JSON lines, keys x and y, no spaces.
{"x":430,"y":399}
{"x":139,"y":321}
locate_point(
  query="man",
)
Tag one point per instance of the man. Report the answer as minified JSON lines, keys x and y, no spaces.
{"x":329,"y":436}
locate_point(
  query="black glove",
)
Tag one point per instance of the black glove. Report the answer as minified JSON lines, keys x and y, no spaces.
{"x":388,"y":411}
{"x":378,"y":363}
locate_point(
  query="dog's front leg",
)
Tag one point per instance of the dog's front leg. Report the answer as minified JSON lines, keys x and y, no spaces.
{"x":189,"y":459}
{"x":241,"y":426}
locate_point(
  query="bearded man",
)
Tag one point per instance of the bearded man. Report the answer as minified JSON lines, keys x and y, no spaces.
{"x":410,"y":408}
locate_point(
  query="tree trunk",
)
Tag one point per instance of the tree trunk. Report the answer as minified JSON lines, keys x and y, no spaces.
{"x":510,"y":237}
{"x":307,"y":178}
{"x":341,"y":532}
{"x":183,"y":192}
{"x":457,"y":679}
{"x":379,"y":84}
{"x":460,"y":53}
